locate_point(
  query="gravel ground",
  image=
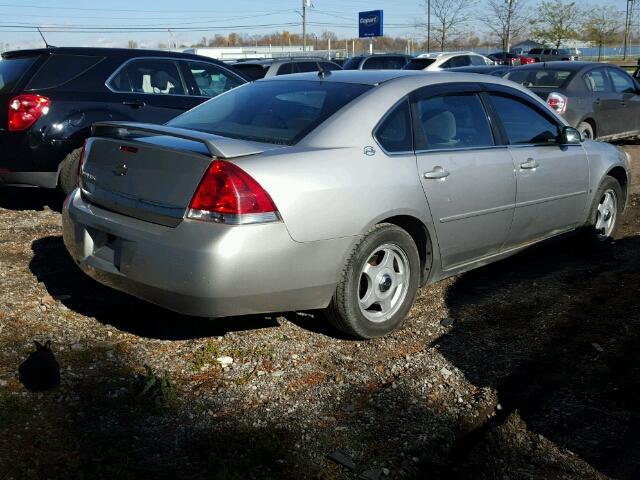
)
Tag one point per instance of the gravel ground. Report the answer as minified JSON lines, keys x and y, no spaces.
{"x":528,"y":368}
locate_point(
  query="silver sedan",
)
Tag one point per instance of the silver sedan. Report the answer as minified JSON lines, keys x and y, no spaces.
{"x":342,"y":191}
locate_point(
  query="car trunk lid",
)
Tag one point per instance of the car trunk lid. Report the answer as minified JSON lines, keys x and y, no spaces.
{"x":151,"y":172}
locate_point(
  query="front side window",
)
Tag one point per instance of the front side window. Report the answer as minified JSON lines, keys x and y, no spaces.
{"x":394,"y":133}
{"x":281,"y":112}
{"x":212,"y":80}
{"x":622,"y":82}
{"x":155,"y":76}
{"x":596,"y":80}
{"x":452,"y":121}
{"x":523,"y":123}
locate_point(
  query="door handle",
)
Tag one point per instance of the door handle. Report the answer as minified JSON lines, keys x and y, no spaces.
{"x":597,"y":101}
{"x":134,"y":103}
{"x":436,"y":173}
{"x":530,"y":164}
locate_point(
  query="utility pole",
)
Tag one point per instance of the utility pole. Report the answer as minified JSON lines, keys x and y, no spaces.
{"x":305,"y":5}
{"x":428,"y":26}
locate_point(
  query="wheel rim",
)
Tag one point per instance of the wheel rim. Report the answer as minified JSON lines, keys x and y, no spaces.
{"x":383,"y":283}
{"x":606,"y":214}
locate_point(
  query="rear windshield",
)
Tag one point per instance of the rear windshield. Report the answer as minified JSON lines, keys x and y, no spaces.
{"x":539,"y":77}
{"x":418,"y":63}
{"x":60,"y":69}
{"x":12,"y":70}
{"x":280,"y":112}
{"x":251,"y":70}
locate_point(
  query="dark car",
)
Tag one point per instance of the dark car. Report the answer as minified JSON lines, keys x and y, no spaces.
{"x":269,"y":67}
{"x":600,"y":100}
{"x":553,"y":54}
{"x":382,"y":61}
{"x":53,"y":95}
{"x":495,"y":70}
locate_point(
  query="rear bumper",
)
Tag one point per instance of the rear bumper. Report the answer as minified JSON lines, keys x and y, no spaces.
{"x":203,"y":269}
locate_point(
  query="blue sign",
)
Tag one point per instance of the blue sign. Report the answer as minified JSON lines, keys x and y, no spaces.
{"x":370,"y":23}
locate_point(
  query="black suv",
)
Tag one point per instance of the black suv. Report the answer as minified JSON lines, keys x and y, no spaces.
{"x":52,"y":96}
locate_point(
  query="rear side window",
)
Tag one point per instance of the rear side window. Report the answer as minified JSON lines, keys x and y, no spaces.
{"x":212,"y":80}
{"x":12,"y":70}
{"x":304,"y":67}
{"x":394,"y":133}
{"x":477,"y":60}
{"x":281,"y":112}
{"x":286,"y":69}
{"x":154,"y":76}
{"x":523,"y":123}
{"x":384,"y":63}
{"x":540,"y":77}
{"x":596,"y":80}
{"x":459,"y":61}
{"x":59,"y":69}
{"x":251,"y":70}
{"x":452,"y":121}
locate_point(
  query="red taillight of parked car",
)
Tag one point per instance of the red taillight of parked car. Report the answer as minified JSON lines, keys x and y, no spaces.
{"x":228,"y":194}
{"x":558,"y":102}
{"x":25,"y":110}
{"x":526,"y":60}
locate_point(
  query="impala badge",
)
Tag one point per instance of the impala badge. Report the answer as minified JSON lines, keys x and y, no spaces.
{"x":121,"y":170}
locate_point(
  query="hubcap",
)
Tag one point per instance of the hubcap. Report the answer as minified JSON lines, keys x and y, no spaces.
{"x":384,"y":282}
{"x":606,"y":215}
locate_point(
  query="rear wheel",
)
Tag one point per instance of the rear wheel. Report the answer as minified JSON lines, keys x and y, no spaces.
{"x":69,"y":171}
{"x":378,"y":285}
{"x":586,"y":130}
{"x":606,"y":209}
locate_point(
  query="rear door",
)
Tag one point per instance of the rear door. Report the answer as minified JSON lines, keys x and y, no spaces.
{"x":552,"y":179}
{"x":208,"y":80}
{"x":628,"y":114}
{"x":467,"y":176}
{"x":151,"y":90}
{"x":604,"y":101}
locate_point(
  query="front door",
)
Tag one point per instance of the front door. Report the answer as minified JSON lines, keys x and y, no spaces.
{"x":552,"y":179}
{"x":467,"y":178}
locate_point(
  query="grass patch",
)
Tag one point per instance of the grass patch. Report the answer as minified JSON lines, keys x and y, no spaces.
{"x":206,"y":355}
{"x":156,"y":389}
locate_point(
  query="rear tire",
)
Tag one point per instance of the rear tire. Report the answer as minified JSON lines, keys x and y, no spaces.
{"x":378,"y":284}
{"x":69,"y":171}
{"x":604,"y":216}
{"x":586,"y":130}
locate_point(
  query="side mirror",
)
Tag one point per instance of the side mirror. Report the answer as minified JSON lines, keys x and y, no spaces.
{"x":570,"y":136}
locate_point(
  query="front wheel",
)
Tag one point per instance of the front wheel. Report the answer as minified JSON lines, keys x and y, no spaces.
{"x":378,"y":285}
{"x":604,"y":217}
{"x":586,"y":130}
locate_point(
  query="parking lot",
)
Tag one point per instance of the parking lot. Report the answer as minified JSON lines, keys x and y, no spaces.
{"x":528,"y":368}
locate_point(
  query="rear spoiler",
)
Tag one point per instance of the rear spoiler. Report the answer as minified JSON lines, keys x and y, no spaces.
{"x":218,"y":147}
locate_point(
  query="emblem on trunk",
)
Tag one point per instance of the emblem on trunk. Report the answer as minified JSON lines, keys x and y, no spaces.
{"x":121,"y":170}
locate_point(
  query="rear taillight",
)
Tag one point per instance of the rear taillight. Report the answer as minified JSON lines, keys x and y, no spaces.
{"x":25,"y":110}
{"x":228,"y":194}
{"x":558,"y":102}
{"x":83,"y":153}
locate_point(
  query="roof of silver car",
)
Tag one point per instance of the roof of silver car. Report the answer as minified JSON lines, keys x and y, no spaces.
{"x":365,"y":77}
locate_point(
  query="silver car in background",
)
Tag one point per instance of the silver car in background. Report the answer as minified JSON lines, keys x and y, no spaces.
{"x":343,"y":191}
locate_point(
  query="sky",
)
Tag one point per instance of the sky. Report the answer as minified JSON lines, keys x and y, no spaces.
{"x":95,"y":24}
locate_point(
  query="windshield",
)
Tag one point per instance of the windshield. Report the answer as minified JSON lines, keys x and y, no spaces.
{"x":280,"y":112}
{"x":543,"y":78}
{"x":12,"y":70}
{"x":418,"y":63}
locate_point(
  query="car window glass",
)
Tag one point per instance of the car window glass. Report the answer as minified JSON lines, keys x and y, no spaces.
{"x":286,"y":69}
{"x":418,"y":63}
{"x":148,"y":76}
{"x":452,"y":121}
{"x":542,"y":77}
{"x":307,"y":66}
{"x":212,"y":80}
{"x":328,"y":66}
{"x":477,"y":60}
{"x":12,"y":70}
{"x":596,"y":80}
{"x":352,"y":63}
{"x":523,"y":123}
{"x":60,"y":69}
{"x":622,"y":82}
{"x":459,"y":61}
{"x":394,"y":133}
{"x":279,"y":112}
{"x":251,"y":70}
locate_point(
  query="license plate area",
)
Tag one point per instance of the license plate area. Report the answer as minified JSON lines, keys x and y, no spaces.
{"x":106,"y":247}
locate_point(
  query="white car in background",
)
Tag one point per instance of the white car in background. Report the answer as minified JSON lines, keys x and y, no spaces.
{"x":443,"y":60}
